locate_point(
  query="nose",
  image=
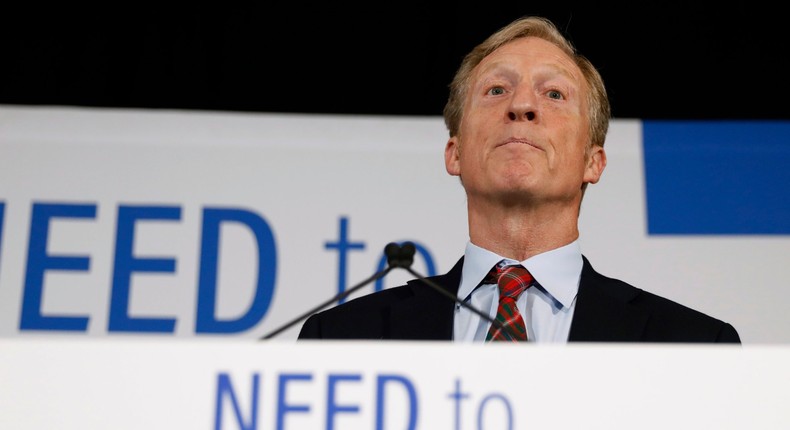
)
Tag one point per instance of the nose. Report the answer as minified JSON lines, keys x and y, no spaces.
{"x":522,"y":107}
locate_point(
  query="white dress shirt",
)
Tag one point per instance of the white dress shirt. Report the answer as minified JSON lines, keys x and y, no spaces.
{"x":547,"y":307}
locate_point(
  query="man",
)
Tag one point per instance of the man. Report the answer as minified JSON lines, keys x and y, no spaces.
{"x":527,"y":118}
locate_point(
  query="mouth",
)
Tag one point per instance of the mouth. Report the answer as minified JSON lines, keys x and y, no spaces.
{"x":519,"y":141}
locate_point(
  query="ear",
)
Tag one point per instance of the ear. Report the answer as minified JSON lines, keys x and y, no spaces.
{"x":452,"y":157}
{"x":596,"y":162}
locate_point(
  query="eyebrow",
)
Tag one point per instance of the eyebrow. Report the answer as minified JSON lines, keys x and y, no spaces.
{"x":503,"y":67}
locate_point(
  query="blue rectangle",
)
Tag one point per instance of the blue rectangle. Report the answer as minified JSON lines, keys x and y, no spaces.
{"x":717,"y":177}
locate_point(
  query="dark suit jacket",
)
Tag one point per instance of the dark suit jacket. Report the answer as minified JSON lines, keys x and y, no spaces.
{"x":607,"y":310}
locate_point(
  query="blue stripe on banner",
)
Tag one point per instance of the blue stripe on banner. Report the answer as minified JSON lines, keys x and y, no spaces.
{"x":717,"y":177}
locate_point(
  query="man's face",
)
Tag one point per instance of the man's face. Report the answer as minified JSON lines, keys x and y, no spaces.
{"x":525,"y":128}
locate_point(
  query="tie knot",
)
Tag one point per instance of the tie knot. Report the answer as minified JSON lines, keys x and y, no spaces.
{"x":511,"y":280}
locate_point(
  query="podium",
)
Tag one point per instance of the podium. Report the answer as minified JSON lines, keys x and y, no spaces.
{"x":231,"y":384}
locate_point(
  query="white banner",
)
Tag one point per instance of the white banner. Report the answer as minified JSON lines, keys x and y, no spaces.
{"x":167,"y":223}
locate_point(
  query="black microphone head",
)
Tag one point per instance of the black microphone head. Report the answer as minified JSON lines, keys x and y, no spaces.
{"x":399,"y":255}
{"x":392,"y":251}
{"x":407,"y":253}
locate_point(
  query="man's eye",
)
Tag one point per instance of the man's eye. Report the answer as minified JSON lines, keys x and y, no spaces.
{"x":554,"y":94}
{"x":496,"y":91}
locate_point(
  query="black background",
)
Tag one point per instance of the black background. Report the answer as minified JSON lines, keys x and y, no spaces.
{"x":659,"y":62}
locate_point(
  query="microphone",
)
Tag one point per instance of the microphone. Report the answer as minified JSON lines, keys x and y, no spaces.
{"x":398,"y":256}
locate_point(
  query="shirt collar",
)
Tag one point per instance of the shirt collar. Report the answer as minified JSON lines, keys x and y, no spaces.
{"x":558,"y":271}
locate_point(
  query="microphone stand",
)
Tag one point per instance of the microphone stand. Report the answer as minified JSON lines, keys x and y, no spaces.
{"x":397,"y":256}
{"x":392,"y":251}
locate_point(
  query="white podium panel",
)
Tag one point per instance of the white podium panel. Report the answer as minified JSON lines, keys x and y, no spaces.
{"x":192,"y":384}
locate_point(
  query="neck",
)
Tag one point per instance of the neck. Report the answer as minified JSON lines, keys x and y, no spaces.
{"x":520,"y":232}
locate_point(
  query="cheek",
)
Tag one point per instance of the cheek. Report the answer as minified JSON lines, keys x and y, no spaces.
{"x":571,"y":147}
{"x":575,"y":161}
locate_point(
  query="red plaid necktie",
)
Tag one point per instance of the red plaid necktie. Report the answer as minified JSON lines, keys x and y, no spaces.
{"x":512,"y":281}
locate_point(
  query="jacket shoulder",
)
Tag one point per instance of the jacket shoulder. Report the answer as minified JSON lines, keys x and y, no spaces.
{"x":661,"y":319}
{"x":358,"y":318}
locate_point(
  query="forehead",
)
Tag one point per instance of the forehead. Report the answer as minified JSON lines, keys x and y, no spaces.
{"x":530,"y":51}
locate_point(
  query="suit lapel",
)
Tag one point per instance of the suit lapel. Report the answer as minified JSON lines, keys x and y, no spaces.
{"x":427,"y":314}
{"x":603,"y":313}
